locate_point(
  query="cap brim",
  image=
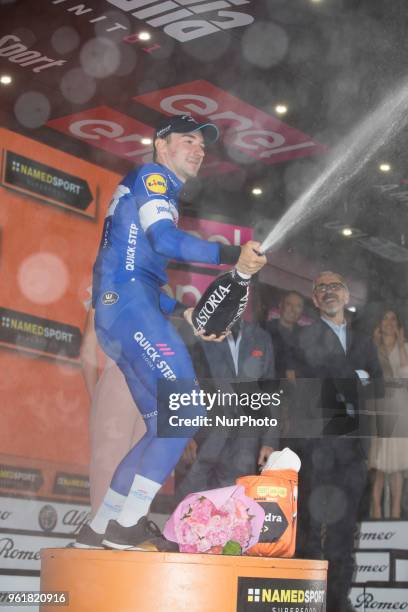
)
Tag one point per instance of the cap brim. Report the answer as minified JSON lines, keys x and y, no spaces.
{"x":210,"y":132}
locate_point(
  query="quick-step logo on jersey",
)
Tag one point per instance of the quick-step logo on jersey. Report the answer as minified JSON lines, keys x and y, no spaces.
{"x":131,"y":248}
{"x":152,"y":356}
{"x":165,"y":348}
{"x":155,"y":183}
{"x":109,"y":298}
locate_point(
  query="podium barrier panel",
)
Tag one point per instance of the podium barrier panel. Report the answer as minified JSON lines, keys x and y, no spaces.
{"x":130,"y":581}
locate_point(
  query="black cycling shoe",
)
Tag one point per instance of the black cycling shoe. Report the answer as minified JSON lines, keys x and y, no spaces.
{"x":88,"y":538}
{"x":145,"y":535}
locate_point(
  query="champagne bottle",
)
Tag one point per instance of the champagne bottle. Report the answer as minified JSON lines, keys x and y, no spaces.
{"x":222,"y":304}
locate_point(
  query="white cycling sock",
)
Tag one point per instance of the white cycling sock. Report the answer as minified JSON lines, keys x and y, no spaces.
{"x":109,"y":509}
{"x":138,"y":501}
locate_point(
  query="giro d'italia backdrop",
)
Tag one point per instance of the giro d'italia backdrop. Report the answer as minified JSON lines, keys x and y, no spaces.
{"x":52,"y":210}
{"x":51,"y":214}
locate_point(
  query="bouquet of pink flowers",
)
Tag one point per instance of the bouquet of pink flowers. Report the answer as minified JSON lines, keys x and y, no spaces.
{"x":221,"y":521}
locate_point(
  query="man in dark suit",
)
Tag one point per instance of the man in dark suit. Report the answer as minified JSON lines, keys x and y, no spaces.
{"x":244,"y":357}
{"x":285,"y":332}
{"x":337,"y":367}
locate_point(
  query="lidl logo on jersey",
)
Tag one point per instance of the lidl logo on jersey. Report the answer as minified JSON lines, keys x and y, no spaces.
{"x":155,"y":183}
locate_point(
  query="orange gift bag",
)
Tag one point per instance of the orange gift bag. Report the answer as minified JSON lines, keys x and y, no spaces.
{"x":276,"y":490}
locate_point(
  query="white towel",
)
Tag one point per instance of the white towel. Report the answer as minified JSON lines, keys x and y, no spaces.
{"x":285,"y":459}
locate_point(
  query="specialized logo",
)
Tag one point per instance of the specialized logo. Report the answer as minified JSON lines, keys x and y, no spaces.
{"x":155,"y":183}
{"x":109,"y":298}
{"x":47,"y":518}
{"x":152,"y":356}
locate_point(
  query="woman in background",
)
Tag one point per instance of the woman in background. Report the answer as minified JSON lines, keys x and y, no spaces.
{"x":390,"y":455}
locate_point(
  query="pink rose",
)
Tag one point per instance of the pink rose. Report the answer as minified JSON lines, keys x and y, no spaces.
{"x":188,"y":548}
{"x":205,"y":528}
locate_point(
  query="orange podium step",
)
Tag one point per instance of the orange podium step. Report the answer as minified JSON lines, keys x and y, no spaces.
{"x":131,"y":581}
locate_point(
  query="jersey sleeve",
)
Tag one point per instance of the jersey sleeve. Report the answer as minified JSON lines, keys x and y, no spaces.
{"x":171,"y":306}
{"x":167,"y":303}
{"x":173,"y":243}
{"x":158,"y":217}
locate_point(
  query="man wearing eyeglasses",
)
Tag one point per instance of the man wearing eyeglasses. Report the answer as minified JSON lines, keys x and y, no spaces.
{"x":332,"y":360}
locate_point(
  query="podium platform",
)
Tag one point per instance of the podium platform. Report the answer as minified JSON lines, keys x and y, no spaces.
{"x":131,"y":581}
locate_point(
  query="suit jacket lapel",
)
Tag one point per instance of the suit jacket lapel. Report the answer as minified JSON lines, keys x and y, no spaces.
{"x":349,"y":338}
{"x":228,"y":357}
{"x":333,"y":338}
{"x":242,"y":346}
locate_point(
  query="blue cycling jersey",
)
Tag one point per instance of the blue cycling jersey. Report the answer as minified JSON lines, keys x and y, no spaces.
{"x":140,"y":232}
